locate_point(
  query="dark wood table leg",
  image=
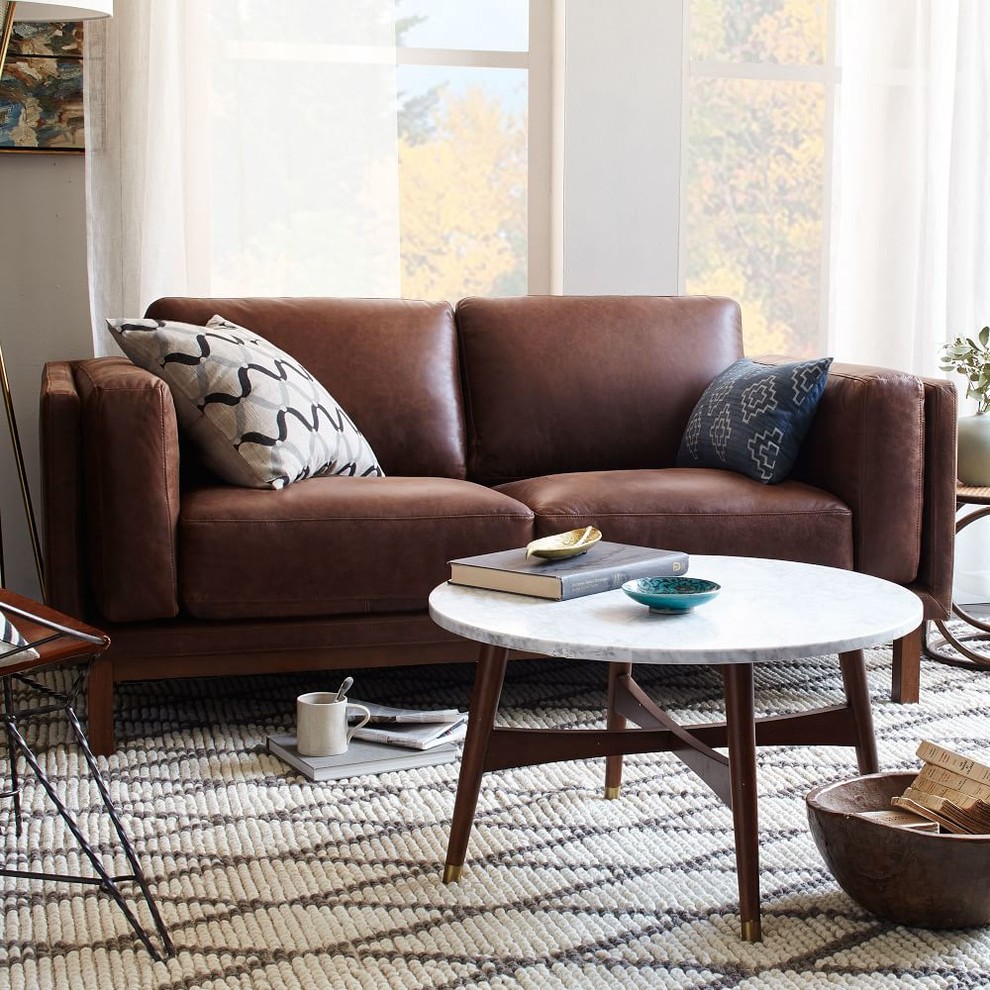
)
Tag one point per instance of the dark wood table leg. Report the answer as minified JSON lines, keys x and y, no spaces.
{"x":99,"y":718}
{"x":853,"y":668}
{"x":740,"y":727}
{"x":481,"y":719}
{"x":905,"y":675}
{"x":613,"y":764}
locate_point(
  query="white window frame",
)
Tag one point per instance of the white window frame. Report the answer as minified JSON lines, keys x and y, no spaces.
{"x":538,"y":62}
{"x":827,"y":74}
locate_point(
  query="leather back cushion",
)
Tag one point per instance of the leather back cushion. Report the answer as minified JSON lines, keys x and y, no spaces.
{"x":574,"y":383}
{"x":391,"y":363}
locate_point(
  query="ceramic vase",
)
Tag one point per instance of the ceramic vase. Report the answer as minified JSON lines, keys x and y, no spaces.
{"x":974,"y":450}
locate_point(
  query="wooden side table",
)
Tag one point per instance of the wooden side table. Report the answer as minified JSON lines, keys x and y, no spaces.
{"x":972,"y":648}
{"x":53,"y":640}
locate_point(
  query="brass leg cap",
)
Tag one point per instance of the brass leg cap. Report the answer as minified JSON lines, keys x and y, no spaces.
{"x":451,"y":874}
{"x":611,"y":793}
{"x":751,"y":931}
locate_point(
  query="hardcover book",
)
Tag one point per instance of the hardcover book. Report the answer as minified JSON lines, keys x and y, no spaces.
{"x":361,"y":757}
{"x":605,"y":567}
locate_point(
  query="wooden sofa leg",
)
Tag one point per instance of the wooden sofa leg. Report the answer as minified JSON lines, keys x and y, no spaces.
{"x":905,"y":685}
{"x":100,"y":702}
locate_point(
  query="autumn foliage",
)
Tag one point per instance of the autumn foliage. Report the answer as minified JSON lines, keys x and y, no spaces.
{"x":463,"y":201}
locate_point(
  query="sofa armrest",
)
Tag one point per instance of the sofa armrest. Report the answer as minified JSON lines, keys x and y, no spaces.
{"x":938,"y":527}
{"x":131,"y":503}
{"x":884,"y":442}
{"x":61,"y":489}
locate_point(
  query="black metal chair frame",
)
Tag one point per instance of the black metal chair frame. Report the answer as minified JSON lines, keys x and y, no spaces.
{"x":56,"y":701}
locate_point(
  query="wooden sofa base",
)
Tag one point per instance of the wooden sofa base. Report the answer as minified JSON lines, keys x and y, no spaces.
{"x":109,"y":670}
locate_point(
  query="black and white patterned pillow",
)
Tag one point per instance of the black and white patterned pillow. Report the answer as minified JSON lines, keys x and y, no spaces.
{"x":753,"y":417}
{"x":11,"y":642}
{"x":257,"y":416}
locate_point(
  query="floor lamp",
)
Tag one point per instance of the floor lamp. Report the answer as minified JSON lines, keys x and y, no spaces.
{"x":54,"y":10}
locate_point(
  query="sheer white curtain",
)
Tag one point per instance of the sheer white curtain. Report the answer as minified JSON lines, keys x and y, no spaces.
{"x":910,"y":263}
{"x":911,"y":215}
{"x":240,"y":149}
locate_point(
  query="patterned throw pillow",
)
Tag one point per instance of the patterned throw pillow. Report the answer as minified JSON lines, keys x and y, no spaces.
{"x":753,"y":417}
{"x":257,"y":416}
{"x":11,"y":642}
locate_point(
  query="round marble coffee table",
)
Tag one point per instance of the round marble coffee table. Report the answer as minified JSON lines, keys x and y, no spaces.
{"x":768,"y":611}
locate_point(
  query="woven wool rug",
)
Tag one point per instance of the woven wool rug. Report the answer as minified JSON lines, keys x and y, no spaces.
{"x":268,"y":881}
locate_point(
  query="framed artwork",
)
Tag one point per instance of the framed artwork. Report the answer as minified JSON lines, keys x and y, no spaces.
{"x":41,"y":89}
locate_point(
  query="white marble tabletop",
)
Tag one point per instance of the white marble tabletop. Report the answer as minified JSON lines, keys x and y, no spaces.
{"x":766,"y":610}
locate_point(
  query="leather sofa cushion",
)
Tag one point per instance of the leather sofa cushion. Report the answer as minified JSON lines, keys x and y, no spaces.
{"x":700,"y":510}
{"x":329,"y":546}
{"x":400,"y":385}
{"x":586,"y":383}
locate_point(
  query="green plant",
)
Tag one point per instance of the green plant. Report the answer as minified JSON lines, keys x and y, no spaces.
{"x":971,"y":359}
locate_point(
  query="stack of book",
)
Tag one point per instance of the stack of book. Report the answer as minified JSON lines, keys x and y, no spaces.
{"x":951,"y":790}
{"x":393,"y":739}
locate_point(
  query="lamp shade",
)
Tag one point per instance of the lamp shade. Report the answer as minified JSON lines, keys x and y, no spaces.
{"x":62,"y":10}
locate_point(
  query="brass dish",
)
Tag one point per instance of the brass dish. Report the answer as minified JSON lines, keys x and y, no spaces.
{"x":568,"y":544}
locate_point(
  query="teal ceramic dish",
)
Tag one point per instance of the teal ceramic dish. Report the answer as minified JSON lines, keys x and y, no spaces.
{"x":671,"y":595}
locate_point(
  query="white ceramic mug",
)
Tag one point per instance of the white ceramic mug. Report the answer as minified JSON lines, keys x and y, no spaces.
{"x":321,"y":723}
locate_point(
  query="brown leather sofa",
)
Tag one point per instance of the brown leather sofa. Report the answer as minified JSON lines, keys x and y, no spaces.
{"x":505,"y":420}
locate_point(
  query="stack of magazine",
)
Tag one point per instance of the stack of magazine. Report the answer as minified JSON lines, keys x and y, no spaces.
{"x":393,"y":739}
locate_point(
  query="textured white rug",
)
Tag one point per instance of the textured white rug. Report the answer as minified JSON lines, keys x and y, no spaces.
{"x":268,"y":881}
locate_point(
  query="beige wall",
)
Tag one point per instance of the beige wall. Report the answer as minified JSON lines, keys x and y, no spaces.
{"x":44,"y":315}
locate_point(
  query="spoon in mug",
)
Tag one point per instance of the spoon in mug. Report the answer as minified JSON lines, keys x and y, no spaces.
{"x":342,"y":693}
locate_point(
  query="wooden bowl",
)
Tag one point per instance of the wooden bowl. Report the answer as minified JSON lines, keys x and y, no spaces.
{"x":911,"y":878}
{"x":922,"y":879}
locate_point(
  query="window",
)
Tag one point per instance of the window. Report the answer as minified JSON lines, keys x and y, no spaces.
{"x":466,"y":86}
{"x":758,"y":107}
{"x":376,"y":149}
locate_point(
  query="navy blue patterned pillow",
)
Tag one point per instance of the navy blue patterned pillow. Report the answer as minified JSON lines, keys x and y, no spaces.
{"x":753,"y":417}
